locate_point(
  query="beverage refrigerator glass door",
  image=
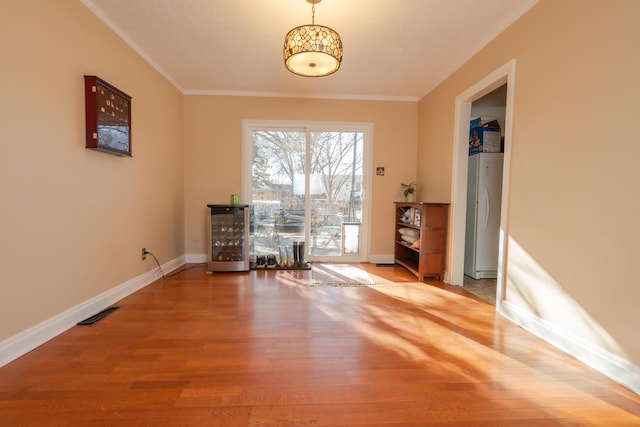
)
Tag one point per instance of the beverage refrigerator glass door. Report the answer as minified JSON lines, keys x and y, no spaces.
{"x":228,"y":238}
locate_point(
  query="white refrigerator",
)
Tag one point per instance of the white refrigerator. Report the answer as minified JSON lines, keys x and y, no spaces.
{"x":484,"y":195}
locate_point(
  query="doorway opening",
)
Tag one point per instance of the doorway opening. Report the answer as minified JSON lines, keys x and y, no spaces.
{"x":504,"y":76}
{"x":484,"y":194}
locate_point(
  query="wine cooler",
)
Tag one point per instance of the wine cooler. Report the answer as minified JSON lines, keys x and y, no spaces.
{"x":228,"y":238}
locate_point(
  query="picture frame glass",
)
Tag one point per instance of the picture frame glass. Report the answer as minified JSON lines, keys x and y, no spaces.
{"x":113,"y":121}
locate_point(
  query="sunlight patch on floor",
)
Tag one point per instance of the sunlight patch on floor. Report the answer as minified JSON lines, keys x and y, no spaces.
{"x":345,"y":272}
{"x":414,"y":321}
{"x":409,"y":331}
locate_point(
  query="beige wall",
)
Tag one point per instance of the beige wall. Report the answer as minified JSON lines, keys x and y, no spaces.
{"x":213,"y":152}
{"x":574,"y":205}
{"x":73,"y":220}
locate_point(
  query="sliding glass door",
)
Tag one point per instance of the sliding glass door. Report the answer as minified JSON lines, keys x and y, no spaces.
{"x":306,"y":184}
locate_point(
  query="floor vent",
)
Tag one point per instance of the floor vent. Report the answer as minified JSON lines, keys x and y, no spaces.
{"x":93,"y":319}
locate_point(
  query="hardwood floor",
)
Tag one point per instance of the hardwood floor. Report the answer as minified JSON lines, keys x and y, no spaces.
{"x":305,"y":348}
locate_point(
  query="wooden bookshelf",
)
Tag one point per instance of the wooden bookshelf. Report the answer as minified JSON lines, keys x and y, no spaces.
{"x":421,"y":238}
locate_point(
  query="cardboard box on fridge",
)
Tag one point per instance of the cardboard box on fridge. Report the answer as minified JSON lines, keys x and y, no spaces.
{"x":484,"y":138}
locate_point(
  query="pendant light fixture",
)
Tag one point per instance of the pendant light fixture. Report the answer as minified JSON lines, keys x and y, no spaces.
{"x":312,"y":50}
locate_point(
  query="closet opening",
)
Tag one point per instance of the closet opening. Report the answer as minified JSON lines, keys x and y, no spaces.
{"x":484,"y":193}
{"x":497,"y":85}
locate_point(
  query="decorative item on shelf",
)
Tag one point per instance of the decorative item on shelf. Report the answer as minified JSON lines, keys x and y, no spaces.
{"x":409,"y":191}
{"x":312,"y":50}
{"x":417,"y":216}
{"x":407,"y":216}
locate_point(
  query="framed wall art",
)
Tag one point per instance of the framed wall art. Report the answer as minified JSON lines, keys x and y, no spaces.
{"x":108,"y":117}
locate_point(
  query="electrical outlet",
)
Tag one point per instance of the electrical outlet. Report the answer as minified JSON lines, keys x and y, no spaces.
{"x":144,"y":254}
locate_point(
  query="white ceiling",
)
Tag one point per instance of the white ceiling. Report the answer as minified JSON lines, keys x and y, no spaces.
{"x":393,"y":49}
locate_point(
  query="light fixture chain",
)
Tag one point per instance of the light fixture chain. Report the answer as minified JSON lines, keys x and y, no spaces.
{"x":313,"y":14}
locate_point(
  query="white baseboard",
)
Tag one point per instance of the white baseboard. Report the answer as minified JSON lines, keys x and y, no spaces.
{"x":381,"y":259}
{"x":24,"y":342}
{"x":196,"y":258}
{"x":618,"y":369}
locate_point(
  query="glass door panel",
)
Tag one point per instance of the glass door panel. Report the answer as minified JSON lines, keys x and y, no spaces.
{"x":336,"y":162}
{"x":278,"y":189}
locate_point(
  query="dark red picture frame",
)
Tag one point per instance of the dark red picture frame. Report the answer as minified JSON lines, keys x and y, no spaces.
{"x":108,"y":117}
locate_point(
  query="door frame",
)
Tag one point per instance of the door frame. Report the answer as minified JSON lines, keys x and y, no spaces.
{"x":504,"y":74}
{"x":307,"y":126}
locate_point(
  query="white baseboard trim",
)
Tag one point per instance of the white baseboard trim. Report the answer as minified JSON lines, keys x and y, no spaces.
{"x":618,"y":369}
{"x":196,"y":258}
{"x":381,"y":259}
{"x":22,"y":343}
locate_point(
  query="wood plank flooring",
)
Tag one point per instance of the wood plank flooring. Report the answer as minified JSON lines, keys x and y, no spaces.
{"x":305,"y":348}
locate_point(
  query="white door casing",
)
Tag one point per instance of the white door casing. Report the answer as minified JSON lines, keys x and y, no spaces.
{"x":456,"y":246}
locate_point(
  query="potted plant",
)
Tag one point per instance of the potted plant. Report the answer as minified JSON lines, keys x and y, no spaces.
{"x":409,"y":191}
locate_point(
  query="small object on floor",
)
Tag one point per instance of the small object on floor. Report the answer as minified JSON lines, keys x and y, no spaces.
{"x":93,"y":319}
